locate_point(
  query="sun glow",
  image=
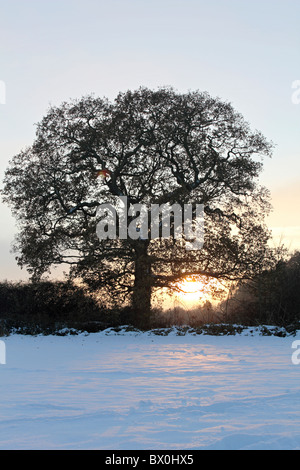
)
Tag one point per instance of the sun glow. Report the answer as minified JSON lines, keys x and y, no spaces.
{"x":191,"y":288}
{"x":197,"y":289}
{"x":193,"y":291}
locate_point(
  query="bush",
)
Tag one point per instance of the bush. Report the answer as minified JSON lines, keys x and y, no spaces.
{"x":272,"y":298}
{"x":48,"y":305}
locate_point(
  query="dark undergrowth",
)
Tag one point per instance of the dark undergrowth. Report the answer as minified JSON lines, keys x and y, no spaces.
{"x":269,"y":304}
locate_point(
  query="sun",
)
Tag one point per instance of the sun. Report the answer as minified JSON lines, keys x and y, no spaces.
{"x":196,"y":289}
{"x":193,"y":291}
{"x":191,"y":288}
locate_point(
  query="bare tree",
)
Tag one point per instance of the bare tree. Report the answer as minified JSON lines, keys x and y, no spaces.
{"x":156,"y":147}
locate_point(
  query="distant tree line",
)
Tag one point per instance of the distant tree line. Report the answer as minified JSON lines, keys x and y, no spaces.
{"x":43,"y":306}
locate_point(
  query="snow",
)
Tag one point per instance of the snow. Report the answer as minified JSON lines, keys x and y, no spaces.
{"x":134,"y":390}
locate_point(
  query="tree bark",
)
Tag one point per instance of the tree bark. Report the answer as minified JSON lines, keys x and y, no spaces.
{"x":142,"y":289}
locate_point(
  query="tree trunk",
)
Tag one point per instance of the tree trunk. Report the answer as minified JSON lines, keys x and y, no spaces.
{"x":142,"y":289}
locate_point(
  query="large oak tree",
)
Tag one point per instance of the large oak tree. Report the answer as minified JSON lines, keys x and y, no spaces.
{"x":160,"y":147}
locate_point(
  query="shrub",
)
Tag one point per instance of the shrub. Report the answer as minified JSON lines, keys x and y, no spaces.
{"x":46,"y":304}
{"x":272,"y":298}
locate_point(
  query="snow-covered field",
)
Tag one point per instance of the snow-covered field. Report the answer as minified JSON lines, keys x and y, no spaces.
{"x":145,"y":391}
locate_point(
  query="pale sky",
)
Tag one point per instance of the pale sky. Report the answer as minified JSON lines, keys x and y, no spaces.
{"x":246,"y":52}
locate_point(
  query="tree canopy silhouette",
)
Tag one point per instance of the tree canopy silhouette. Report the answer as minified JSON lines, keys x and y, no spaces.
{"x":155,"y":147}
